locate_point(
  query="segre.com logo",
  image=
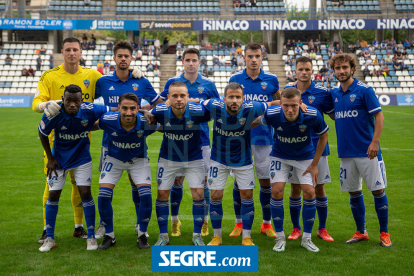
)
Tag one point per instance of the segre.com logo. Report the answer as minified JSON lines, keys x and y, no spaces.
{"x":204,"y":258}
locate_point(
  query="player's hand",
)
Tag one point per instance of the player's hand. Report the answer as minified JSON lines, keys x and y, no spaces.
{"x":51,"y":165}
{"x":136,"y":72}
{"x":292,"y":83}
{"x":303,"y":107}
{"x":150,"y":118}
{"x":168,"y":103}
{"x":313,"y":170}
{"x":373,"y":150}
{"x":50,"y":108}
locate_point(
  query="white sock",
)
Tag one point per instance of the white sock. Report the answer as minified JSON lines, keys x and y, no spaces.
{"x":280,"y":234}
{"x":246,"y":233}
{"x":217,"y":232}
{"x":44,"y":228}
{"x":206,"y":218}
{"x":267,"y":222}
{"x":238,"y":220}
{"x":140,"y":233}
{"x":78,"y":225}
{"x":306,"y":235}
{"x":112,"y":235}
{"x":174,"y":218}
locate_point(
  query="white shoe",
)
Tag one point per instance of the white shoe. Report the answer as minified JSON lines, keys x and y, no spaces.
{"x":136,"y":231}
{"x":280,"y":244}
{"x":308,"y":244}
{"x":100,"y":232}
{"x":48,"y":244}
{"x":91,"y":244}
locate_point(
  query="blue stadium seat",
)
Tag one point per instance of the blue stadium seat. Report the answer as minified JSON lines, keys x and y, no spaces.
{"x":397,"y":84}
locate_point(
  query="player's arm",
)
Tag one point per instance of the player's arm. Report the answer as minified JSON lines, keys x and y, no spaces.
{"x":374,"y":146}
{"x":52,"y":163}
{"x":42,"y":102}
{"x":332,"y":115}
{"x":149,"y":117}
{"x":257,"y":122}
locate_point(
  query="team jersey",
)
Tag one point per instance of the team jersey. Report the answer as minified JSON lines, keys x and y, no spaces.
{"x":354,"y":120}
{"x":181,"y":141}
{"x":71,"y":146}
{"x":125,"y":145}
{"x":203,"y":89}
{"x":231,"y":134}
{"x":317,"y":97}
{"x":293,"y":140}
{"x":110,"y":88}
{"x":260,"y":89}
{"x":53,"y":82}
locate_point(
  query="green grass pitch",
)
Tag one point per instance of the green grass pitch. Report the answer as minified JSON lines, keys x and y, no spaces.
{"x":22,"y":184}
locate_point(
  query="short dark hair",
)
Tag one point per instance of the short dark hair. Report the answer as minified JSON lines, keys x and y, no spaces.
{"x":71,"y":40}
{"x":73,"y":88}
{"x":290,"y":93}
{"x":191,"y":51}
{"x":339,"y":58}
{"x":303,"y":60}
{"x":128,"y":96}
{"x":123,"y":45}
{"x":233,"y":86}
{"x":178,"y":84}
{"x":252,"y":46}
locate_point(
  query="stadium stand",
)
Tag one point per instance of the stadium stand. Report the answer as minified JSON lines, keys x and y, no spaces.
{"x":75,"y":7}
{"x":353,"y":6}
{"x":263,"y":7}
{"x":404,"y":5}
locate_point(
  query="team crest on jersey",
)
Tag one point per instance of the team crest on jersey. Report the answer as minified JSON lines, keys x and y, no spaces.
{"x":103,"y":175}
{"x":86,"y":83}
{"x":210,"y":181}
{"x":352,"y":97}
{"x":272,"y":175}
{"x":242,"y":121}
{"x":135,"y":86}
{"x":84,"y":122}
{"x":200,"y":89}
{"x":264,"y":85}
{"x":190,"y":124}
{"x":140,"y":133}
{"x":302,"y":128}
{"x":311,"y":99}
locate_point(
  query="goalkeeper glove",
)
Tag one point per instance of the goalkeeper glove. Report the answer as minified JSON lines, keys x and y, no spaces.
{"x":50,"y":108}
{"x":136,"y":72}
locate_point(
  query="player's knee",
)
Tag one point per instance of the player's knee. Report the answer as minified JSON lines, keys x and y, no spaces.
{"x":54,"y":195}
{"x":356,"y":192}
{"x":246,"y":194}
{"x":216,"y":195}
{"x":308,"y":192}
{"x":295,"y":191}
{"x":85,"y":192}
{"x":320,"y":191}
{"x":163,"y":195}
{"x":378,"y":192}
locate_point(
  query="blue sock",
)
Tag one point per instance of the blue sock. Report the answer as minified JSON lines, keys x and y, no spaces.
{"x":105,"y":209}
{"x":161,"y":208}
{"x":265,"y":195}
{"x":175,"y":197}
{"x":237,"y":201}
{"x":206,"y":202}
{"x":358,"y":211}
{"x":136,"y":200}
{"x":198,"y":214}
{"x":100,"y":219}
{"x":381,"y":206}
{"x":247,"y":213}
{"x":216,"y":213}
{"x":322,"y":209}
{"x":278,"y":213}
{"x":51,"y":213}
{"x":295,"y":204}
{"x":145,"y":209}
{"x":308,"y":214}
{"x":89,"y":210}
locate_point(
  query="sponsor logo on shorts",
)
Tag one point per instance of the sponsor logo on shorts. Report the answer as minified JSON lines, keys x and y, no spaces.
{"x":190,"y":124}
{"x":290,"y":175}
{"x":272,"y":175}
{"x":327,"y":176}
{"x":50,"y":181}
{"x":149,"y":178}
{"x":377,"y":183}
{"x":84,"y":122}
{"x":352,"y":97}
{"x":140,"y":133}
{"x":89,"y":179}
{"x":103,"y":175}
{"x":302,"y":128}
{"x":210,"y":181}
{"x":242,"y":121}
{"x":311,"y":99}
{"x":251,"y":183}
{"x":86,"y":83}
{"x":159,"y":181}
{"x":135,"y":86}
{"x":263,"y":85}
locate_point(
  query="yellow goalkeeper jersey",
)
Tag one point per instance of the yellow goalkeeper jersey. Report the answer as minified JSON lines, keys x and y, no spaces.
{"x":53,"y":82}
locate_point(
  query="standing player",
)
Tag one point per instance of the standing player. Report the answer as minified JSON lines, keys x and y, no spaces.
{"x":319,"y":98}
{"x":232,"y":151}
{"x":48,"y":94}
{"x":127,"y":151}
{"x":198,"y":87}
{"x":359,"y":121}
{"x":70,"y":152}
{"x":180,"y":149}
{"x":111,"y":87}
{"x":293,"y":152}
{"x":263,"y":87}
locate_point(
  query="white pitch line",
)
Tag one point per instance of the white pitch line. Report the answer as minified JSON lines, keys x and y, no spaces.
{"x":399,"y":112}
{"x":334,"y":146}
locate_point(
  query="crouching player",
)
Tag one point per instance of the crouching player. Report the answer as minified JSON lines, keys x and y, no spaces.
{"x":293,"y":152}
{"x":127,"y":151}
{"x":70,"y":152}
